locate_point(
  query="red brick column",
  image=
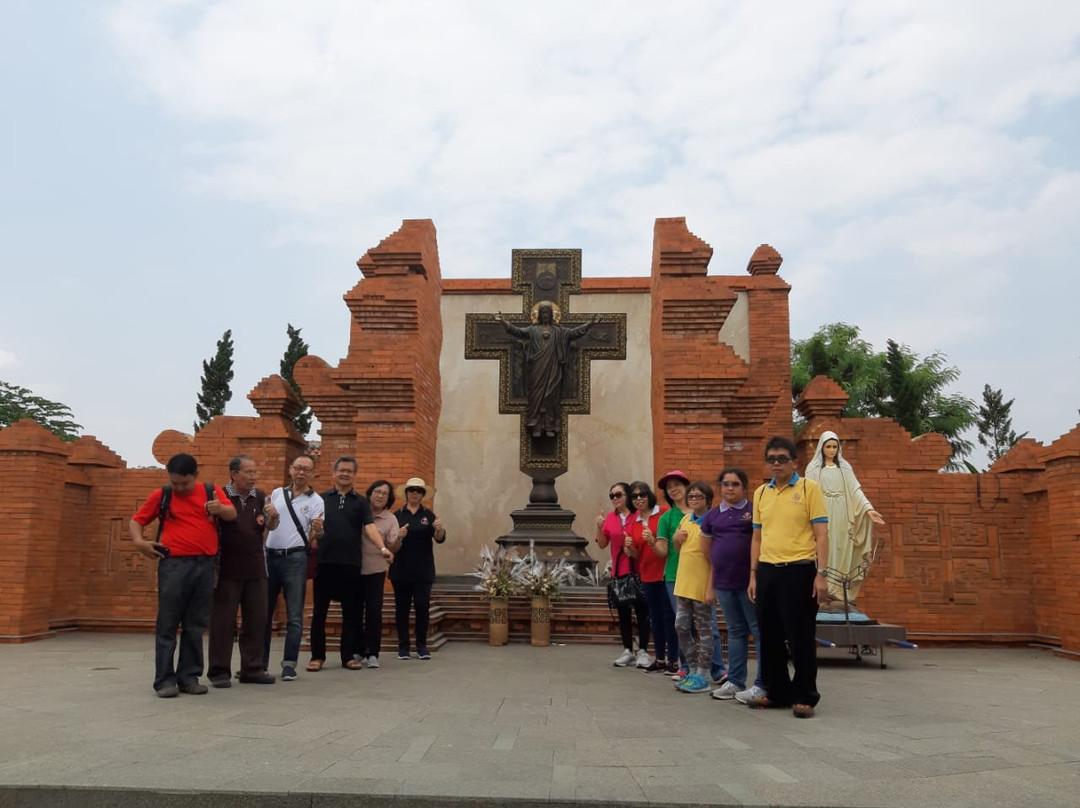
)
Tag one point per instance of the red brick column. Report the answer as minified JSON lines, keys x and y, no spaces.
{"x":382,"y":402}
{"x":712,"y":407}
{"x":33,"y":462}
{"x":1062,"y":544}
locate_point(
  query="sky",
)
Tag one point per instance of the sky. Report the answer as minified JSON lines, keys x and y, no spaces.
{"x":172,"y":169}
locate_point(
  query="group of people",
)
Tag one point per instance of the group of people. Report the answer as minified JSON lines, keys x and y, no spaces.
{"x":220,"y":550}
{"x":763,"y":557}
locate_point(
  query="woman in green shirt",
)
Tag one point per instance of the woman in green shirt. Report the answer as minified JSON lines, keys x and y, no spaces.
{"x":673,"y":485}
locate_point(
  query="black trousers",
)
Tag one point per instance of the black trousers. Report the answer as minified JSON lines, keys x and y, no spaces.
{"x":369,"y":614}
{"x":250,"y":597}
{"x":787,"y":616}
{"x":406,"y":595}
{"x":339,"y":582}
{"x":626,"y":629}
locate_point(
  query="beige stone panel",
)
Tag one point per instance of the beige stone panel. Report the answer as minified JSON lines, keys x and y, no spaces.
{"x":476,"y":463}
{"x":736,"y":328}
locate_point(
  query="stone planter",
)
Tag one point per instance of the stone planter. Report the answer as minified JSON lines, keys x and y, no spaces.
{"x":540,"y":622}
{"x":498,"y":621}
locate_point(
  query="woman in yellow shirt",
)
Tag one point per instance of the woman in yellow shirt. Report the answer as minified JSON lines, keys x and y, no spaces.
{"x":693,"y":591}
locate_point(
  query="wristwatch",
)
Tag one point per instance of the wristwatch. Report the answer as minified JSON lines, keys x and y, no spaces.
{"x":822,"y":572}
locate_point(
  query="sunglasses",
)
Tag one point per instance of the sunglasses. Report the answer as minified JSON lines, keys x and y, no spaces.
{"x":774,"y":460}
{"x":638,"y":495}
{"x":616,"y":495}
{"x":695,"y":496}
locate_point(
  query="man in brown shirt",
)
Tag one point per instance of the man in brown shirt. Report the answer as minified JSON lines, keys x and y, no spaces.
{"x":241,"y":582}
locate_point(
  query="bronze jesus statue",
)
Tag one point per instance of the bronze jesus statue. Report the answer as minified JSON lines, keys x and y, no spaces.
{"x":547,"y":346}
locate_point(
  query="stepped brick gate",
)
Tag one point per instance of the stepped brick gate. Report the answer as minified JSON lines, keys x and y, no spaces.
{"x":989,"y":557}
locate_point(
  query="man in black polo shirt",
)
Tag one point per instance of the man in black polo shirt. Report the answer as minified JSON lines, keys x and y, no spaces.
{"x":348,"y":521}
{"x":241,"y":582}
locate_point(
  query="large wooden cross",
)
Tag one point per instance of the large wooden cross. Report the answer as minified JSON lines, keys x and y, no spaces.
{"x":544,"y":277}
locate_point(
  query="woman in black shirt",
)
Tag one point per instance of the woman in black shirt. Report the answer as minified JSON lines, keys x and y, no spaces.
{"x":413,"y":571}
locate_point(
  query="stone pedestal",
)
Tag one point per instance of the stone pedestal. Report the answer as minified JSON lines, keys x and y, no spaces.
{"x":547,"y":528}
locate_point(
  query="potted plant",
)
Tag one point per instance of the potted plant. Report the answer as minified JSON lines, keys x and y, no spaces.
{"x":542,"y":581}
{"x":497,"y":584}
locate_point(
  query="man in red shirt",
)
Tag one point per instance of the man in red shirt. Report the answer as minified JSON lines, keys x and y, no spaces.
{"x":186,"y":552}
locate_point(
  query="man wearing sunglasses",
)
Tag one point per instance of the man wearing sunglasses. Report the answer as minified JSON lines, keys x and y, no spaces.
{"x":286,"y":556}
{"x":789,"y":553}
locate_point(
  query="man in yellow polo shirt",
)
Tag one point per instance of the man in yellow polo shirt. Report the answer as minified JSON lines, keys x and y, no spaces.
{"x":789,"y":552}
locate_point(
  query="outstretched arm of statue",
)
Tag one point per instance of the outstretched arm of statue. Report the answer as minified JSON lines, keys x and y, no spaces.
{"x":583,"y":329}
{"x":510,"y":327}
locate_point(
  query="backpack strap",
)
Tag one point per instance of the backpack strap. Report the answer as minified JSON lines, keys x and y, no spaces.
{"x":163,"y":511}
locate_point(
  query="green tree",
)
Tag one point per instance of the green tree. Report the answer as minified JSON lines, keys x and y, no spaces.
{"x":995,"y":423}
{"x":896,"y":384}
{"x":837,"y":351}
{"x":915,"y":398}
{"x":18,"y":402}
{"x":296,"y":349}
{"x":217,"y":374}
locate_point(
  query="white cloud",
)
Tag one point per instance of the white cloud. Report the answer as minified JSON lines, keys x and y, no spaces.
{"x":884,"y":148}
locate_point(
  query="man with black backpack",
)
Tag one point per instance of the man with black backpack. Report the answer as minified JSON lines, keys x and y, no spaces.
{"x":186,"y":548}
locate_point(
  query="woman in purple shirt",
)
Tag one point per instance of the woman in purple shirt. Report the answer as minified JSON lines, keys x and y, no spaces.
{"x":728,"y":528}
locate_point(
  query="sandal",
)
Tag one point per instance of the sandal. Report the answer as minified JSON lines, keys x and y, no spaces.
{"x":802,"y":711}
{"x":353,"y":665}
{"x":315,"y":665}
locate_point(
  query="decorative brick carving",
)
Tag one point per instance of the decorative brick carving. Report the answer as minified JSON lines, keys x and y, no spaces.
{"x":764,"y":261}
{"x":701,"y":317}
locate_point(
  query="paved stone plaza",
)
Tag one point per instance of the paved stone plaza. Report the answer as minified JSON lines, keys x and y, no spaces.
{"x":938,"y":727}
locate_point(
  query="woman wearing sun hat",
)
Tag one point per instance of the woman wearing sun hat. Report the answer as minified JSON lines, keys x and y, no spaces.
{"x":413,"y":571}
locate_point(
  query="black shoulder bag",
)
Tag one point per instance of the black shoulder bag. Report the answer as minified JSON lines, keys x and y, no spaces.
{"x":625,"y":590}
{"x":312,"y":554}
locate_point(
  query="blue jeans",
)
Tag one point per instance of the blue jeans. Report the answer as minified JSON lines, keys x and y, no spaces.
{"x":286,"y":575}
{"x":185,"y":599}
{"x":717,"y":668}
{"x":741,"y":622}
{"x":662,"y":617}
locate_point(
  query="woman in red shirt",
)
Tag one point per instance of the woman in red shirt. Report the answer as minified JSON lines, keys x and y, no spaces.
{"x":651,"y":554}
{"x":611,"y":532}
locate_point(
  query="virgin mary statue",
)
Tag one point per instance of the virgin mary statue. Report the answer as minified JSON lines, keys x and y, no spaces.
{"x":851,"y":516}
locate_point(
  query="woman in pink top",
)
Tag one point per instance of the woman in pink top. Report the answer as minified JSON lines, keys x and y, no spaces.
{"x":611,"y":531}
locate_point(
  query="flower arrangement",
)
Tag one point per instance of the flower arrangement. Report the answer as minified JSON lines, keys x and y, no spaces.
{"x":495,"y":572}
{"x":543,"y":578}
{"x":594,"y":576}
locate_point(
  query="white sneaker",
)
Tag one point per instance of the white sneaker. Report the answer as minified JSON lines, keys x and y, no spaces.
{"x":753,"y":692}
{"x":625,"y":658}
{"x":643,"y":659}
{"x":726,"y":691}
{"x":373,"y":662}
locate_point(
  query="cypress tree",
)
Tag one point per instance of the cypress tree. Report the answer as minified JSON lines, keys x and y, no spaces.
{"x":296,"y":350}
{"x":217,"y":374}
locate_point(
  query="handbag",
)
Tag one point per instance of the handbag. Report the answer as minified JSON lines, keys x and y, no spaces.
{"x":625,"y":590}
{"x":312,"y":553}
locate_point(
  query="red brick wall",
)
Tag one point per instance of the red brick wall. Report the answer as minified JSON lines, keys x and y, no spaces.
{"x":985,"y":557}
{"x":982,"y":557}
{"x":32,"y":466}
